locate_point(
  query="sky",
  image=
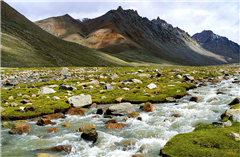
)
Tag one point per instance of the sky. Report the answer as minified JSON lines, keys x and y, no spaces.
{"x":193,"y":16}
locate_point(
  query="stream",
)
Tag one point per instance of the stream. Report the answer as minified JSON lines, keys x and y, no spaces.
{"x":141,"y":137}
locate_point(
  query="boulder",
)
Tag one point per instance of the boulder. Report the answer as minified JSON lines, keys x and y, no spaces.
{"x":235,"y":135}
{"x":25,"y":101}
{"x":44,"y":121}
{"x":52,"y":129}
{"x":94,"y":105}
{"x":65,"y":148}
{"x":235,"y":101}
{"x":107,"y":87}
{"x":118,"y":100}
{"x":115,"y":125}
{"x":227,"y":123}
{"x":231,"y":112}
{"x":76,"y":111}
{"x":141,"y":71}
{"x":235,"y":117}
{"x":54,"y":116}
{"x":151,"y":86}
{"x":102,"y":110}
{"x":188,"y":77}
{"x":195,"y":99}
{"x":87,"y":128}
{"x":80,"y":100}
{"x":10,"y":125}
{"x":67,"y":87}
{"x":64,"y":71}
{"x":66,"y":125}
{"x":178,"y":76}
{"x":55,"y":98}
{"x":136,"y":81}
{"x":90,"y":136}
{"x":1,"y":109}
{"x":147,"y":107}
{"x":120,"y":109}
{"x":46,"y":90}
{"x":133,"y":114}
{"x":13,"y":104}
{"x":111,"y":121}
{"x":20,"y":129}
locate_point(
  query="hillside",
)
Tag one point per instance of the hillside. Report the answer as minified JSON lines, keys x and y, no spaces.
{"x":219,"y":45}
{"x":126,"y":35}
{"x":24,"y":44}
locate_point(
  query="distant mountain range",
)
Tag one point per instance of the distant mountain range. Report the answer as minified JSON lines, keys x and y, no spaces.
{"x":219,"y":45}
{"x":118,"y":38}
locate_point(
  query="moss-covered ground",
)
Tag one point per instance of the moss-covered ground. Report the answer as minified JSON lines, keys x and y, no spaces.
{"x":205,"y":140}
{"x":167,"y":86}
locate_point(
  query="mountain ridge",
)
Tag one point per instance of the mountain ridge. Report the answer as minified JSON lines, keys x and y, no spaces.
{"x":151,"y":38}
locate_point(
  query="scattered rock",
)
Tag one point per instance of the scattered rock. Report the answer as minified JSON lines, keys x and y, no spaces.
{"x":141,"y":71}
{"x":65,"y":148}
{"x":188,"y":77}
{"x":144,"y":76}
{"x":235,"y":117}
{"x":10,"y":125}
{"x":178,"y":76}
{"x":76,"y":111}
{"x":102,"y":110}
{"x":151,"y":86}
{"x":46,"y":90}
{"x":66,"y":125}
{"x":103,"y":97}
{"x":176,"y":115}
{"x":227,"y":123}
{"x":120,"y":109}
{"x":136,"y":81}
{"x":118,"y":100}
{"x":217,"y":124}
{"x":2,"y":109}
{"x":111,"y":121}
{"x":44,"y":121}
{"x":87,"y":128}
{"x":107,"y":87}
{"x":94,"y":105}
{"x":29,"y":108}
{"x":80,"y":101}
{"x":20,"y":129}
{"x":52,"y":130}
{"x":64,"y":71}
{"x":55,"y":98}
{"x":54,"y":116}
{"x":25,"y":101}
{"x":126,"y":89}
{"x":170,"y":99}
{"x":115,"y":125}
{"x":147,"y":107}
{"x":235,"y":135}
{"x":10,"y":98}
{"x":195,"y":99}
{"x":67,"y":87}
{"x":90,"y":136}
{"x":133,"y":114}
{"x":235,"y":101}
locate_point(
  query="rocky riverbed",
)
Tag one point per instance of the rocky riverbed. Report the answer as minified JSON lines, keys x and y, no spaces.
{"x":109,"y":111}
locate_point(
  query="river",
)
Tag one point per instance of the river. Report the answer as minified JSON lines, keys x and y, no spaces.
{"x":146,"y":137}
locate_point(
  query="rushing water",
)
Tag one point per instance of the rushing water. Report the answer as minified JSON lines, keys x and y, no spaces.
{"x":147,"y":137}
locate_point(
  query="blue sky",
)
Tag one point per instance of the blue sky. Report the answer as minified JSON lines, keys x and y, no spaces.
{"x":193,"y":16}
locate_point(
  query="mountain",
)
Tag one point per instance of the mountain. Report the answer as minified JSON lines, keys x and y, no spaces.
{"x":219,"y":45}
{"x":24,"y":44}
{"x":130,"y":37}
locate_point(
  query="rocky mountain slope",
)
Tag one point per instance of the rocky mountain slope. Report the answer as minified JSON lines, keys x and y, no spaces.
{"x":126,"y":35}
{"x":219,"y":45}
{"x":24,"y":44}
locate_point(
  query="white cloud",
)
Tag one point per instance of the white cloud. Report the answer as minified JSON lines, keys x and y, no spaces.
{"x":222,"y":17}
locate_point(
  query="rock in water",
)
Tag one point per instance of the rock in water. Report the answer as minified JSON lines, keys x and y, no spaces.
{"x":87,"y":128}
{"x":66,"y":148}
{"x":20,"y":129}
{"x":121,"y":109}
{"x":44,"y":121}
{"x":76,"y":111}
{"x":235,"y":101}
{"x":147,"y":107}
{"x":54,"y":116}
{"x":90,"y":136}
{"x":80,"y":101}
{"x":46,"y":90}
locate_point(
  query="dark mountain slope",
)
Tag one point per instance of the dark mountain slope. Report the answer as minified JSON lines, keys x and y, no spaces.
{"x":219,"y":45}
{"x":24,"y":44}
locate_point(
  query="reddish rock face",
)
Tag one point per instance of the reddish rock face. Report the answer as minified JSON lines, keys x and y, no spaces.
{"x":147,"y":107}
{"x":66,"y":148}
{"x":44,"y":121}
{"x":54,"y":116}
{"x":20,"y":129}
{"x":115,"y":125}
{"x":76,"y":111}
